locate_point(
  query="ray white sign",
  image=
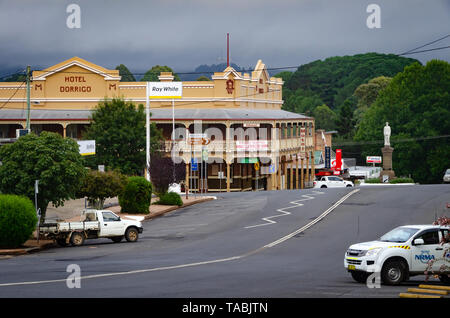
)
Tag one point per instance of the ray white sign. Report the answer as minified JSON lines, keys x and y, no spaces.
{"x":157,"y":90}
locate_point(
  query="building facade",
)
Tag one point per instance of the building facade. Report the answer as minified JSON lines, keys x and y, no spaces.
{"x":233,"y":122}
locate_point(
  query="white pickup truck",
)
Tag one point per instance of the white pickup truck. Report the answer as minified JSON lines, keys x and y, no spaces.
{"x":332,"y":182}
{"x":93,"y":224}
{"x":403,"y":252}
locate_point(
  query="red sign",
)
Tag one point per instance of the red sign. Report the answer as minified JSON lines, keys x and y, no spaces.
{"x":338,"y":160}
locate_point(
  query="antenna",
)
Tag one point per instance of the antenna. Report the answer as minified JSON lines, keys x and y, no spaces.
{"x":228,"y":49}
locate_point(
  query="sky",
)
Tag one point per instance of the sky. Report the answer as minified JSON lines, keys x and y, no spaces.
{"x":186,"y":33}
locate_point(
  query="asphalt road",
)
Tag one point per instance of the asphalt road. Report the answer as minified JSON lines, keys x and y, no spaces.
{"x":224,"y":248}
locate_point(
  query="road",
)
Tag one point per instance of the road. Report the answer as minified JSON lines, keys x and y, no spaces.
{"x":240,"y":245}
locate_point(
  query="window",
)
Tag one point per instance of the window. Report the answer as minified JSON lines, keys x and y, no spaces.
{"x":430,"y":237}
{"x":110,"y":217}
{"x":399,"y":235}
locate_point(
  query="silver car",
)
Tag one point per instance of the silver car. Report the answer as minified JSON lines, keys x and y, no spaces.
{"x":447,"y":176}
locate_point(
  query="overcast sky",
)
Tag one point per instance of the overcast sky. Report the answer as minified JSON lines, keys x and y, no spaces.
{"x":186,"y":33}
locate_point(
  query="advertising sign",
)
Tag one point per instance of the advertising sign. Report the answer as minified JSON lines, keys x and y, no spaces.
{"x":327,"y":157}
{"x":373,"y":159}
{"x":168,"y":90}
{"x":338,"y":160}
{"x":87,"y":147}
{"x":252,"y":145}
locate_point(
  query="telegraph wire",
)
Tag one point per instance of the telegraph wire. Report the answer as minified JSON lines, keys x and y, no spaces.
{"x":419,"y":47}
{"x":15,"y":92}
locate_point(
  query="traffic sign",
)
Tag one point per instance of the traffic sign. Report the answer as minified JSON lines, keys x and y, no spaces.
{"x":256,"y":165}
{"x":194,"y":164}
{"x":272,"y":169}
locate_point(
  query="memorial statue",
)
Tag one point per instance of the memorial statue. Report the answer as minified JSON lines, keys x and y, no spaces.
{"x":387,"y":134}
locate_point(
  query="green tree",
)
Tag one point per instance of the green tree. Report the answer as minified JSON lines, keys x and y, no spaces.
{"x":53,"y":160}
{"x":203,"y":78}
{"x":285,"y":75}
{"x":325,"y":118}
{"x":136,"y":196}
{"x":118,"y":128}
{"x":98,"y":186}
{"x":416,"y":103}
{"x":345,"y":122}
{"x":125,"y":73}
{"x":152,"y":74}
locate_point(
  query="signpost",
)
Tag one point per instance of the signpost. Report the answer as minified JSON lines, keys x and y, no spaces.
{"x":159,"y":90}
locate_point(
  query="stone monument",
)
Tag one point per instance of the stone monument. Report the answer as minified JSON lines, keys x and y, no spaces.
{"x":387,"y":173}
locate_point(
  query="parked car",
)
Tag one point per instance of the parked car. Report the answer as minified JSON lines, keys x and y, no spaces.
{"x":447,"y":176}
{"x":94,"y":224}
{"x":332,"y":182}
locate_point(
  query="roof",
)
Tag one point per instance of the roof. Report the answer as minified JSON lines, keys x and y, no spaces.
{"x":160,"y":114}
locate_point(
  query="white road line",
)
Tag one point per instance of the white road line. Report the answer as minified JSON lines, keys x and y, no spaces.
{"x":283,"y":211}
{"x":221,"y":260}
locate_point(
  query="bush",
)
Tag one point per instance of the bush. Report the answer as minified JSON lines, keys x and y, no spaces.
{"x":171,"y":198}
{"x":402,"y":180}
{"x":373,"y":180}
{"x":97,"y":186}
{"x":136,"y":196}
{"x":17,"y":220}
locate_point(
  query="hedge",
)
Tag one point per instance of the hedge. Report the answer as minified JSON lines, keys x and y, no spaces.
{"x":170,"y":198}
{"x":136,"y":196}
{"x":17,"y":220}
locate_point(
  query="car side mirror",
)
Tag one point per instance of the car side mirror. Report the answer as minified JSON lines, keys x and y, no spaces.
{"x":419,"y":241}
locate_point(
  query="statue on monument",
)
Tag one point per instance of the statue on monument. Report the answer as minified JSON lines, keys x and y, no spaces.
{"x":387,"y":134}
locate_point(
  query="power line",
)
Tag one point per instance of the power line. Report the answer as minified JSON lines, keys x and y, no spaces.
{"x":393,"y":140}
{"x":435,"y":49}
{"x":419,"y":47}
{"x":15,"y":92}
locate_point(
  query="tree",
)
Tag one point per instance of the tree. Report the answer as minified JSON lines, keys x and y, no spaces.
{"x":152,"y":74}
{"x":125,"y":73}
{"x":136,"y":196}
{"x":345,"y":122}
{"x":416,"y":103}
{"x":53,"y":160}
{"x":325,"y":118}
{"x":118,"y":128}
{"x":203,"y":78}
{"x":97,"y":186}
{"x":335,"y":79}
{"x":164,"y":172}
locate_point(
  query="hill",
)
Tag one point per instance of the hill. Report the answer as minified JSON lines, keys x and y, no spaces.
{"x":334,"y":80}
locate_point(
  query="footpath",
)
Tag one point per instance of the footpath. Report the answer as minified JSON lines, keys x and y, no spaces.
{"x":71,"y":212}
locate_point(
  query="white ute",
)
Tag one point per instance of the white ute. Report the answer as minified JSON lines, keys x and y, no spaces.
{"x":332,"y":182}
{"x":403,"y":252}
{"x":93,"y":224}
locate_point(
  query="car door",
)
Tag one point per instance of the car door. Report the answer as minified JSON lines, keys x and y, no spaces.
{"x":111,"y":225}
{"x":431,"y":250}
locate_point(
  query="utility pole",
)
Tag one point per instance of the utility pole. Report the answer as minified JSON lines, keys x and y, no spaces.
{"x":28,"y":96}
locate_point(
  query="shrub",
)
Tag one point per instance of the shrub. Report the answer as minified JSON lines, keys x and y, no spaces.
{"x":402,"y":180}
{"x":136,"y":196}
{"x":97,"y":186}
{"x":17,"y":220}
{"x":373,"y":180}
{"x":171,"y":198}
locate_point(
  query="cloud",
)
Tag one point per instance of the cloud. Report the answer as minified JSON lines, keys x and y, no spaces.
{"x":184,"y":34}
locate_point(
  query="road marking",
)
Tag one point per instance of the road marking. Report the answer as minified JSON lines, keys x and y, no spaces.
{"x":283,"y":210}
{"x":221,"y":260}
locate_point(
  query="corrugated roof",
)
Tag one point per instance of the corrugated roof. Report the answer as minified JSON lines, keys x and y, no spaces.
{"x":159,"y":114}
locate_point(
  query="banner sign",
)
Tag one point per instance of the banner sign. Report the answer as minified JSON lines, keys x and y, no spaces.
{"x":87,"y":147}
{"x":168,"y":90}
{"x":327,"y":157}
{"x":302,"y":153}
{"x":252,"y":145}
{"x":338,"y":160}
{"x":373,"y":159}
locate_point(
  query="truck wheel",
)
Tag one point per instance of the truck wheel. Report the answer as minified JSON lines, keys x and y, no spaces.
{"x":393,"y":272}
{"x":61,"y":242}
{"x":117,"y":239}
{"x":360,"y":277}
{"x":132,"y":234}
{"x":349,"y":185}
{"x":77,"y":239}
{"x":445,"y":279}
